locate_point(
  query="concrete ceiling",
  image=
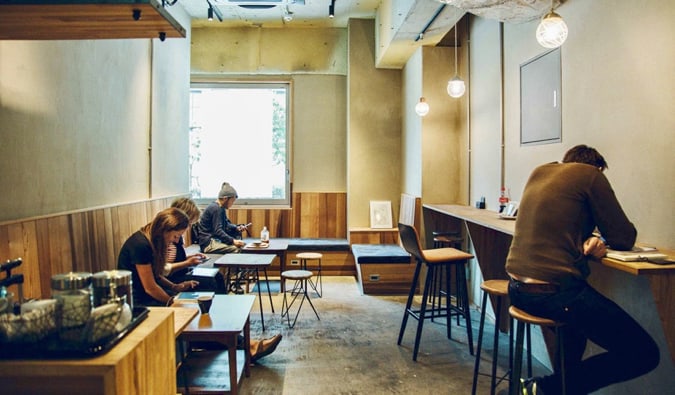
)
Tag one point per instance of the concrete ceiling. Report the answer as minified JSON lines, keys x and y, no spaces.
{"x":403,"y":25}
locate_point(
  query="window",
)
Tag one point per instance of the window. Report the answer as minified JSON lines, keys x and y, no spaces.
{"x":239,"y":134}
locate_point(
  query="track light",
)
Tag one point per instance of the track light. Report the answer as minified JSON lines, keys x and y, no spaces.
{"x":331,"y":9}
{"x":213,"y":10}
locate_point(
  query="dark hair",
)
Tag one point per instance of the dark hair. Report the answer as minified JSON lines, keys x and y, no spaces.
{"x":585,"y":154}
{"x":167,"y":220}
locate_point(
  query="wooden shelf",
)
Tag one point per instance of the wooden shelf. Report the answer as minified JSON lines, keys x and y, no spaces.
{"x":86,"y":20}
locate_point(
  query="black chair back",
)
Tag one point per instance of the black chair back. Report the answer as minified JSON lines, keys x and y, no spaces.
{"x":410,"y":241}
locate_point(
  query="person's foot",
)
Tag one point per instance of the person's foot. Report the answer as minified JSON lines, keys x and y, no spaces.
{"x":266,"y":347}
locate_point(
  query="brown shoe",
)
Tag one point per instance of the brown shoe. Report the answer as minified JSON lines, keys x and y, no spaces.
{"x":266,"y":347}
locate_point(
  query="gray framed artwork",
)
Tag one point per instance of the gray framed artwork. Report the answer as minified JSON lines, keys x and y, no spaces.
{"x":541,"y":99}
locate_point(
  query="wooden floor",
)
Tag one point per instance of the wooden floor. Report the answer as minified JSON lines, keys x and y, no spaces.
{"x":352,"y":349}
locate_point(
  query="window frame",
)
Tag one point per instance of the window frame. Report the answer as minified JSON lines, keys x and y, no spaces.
{"x":286,"y":84}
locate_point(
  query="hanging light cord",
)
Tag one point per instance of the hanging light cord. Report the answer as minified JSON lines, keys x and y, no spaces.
{"x":455,"y":49}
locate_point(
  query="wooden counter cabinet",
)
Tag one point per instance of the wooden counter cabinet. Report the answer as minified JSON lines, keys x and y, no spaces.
{"x":143,"y":362}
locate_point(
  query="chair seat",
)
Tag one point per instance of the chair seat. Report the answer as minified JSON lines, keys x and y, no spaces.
{"x":444,"y":255}
{"x":495,"y":287}
{"x":309,"y":255}
{"x":297,"y":274}
{"x":528,"y":318}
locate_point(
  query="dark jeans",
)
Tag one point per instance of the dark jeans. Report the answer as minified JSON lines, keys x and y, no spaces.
{"x":588,"y":315}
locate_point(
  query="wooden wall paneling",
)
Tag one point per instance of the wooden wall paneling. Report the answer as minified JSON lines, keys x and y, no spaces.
{"x":22,"y":243}
{"x":341,"y":215}
{"x":60,"y":249}
{"x":326,"y":216}
{"x":80,"y":242}
{"x":42,"y":238}
{"x":310,"y":214}
{"x":4,"y":243}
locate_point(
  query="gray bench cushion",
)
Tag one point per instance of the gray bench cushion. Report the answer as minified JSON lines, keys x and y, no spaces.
{"x":309,"y":244}
{"x":379,"y":253}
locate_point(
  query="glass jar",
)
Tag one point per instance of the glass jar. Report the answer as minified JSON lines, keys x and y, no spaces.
{"x":117,"y":281}
{"x":72,"y":292}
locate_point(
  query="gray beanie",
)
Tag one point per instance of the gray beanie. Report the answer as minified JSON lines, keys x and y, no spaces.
{"x":227,"y":191}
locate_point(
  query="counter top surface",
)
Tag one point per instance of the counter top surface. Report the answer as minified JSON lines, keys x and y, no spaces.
{"x":491,"y":219}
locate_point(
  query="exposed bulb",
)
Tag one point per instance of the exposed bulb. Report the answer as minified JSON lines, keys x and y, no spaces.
{"x":552,"y":31}
{"x":422,"y":107}
{"x":456,"y":87}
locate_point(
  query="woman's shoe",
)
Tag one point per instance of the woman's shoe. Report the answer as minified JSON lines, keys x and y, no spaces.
{"x":266,"y":347}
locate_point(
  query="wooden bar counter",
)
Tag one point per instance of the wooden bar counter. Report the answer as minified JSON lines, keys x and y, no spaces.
{"x":491,"y":237}
{"x":143,"y":362}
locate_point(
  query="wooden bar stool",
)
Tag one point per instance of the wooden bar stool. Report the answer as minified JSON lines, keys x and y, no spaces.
{"x":500,"y":290}
{"x":312,"y":256}
{"x":299,"y":289}
{"x":523,"y":318}
{"x":445,"y":240}
{"x":434,"y":259}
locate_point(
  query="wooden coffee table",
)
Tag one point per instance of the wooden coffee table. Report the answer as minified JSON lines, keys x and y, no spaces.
{"x":228,"y":317}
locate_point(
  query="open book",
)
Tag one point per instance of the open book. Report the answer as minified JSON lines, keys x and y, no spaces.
{"x":637,"y":254}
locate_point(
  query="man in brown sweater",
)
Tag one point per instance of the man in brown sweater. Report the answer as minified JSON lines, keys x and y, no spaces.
{"x":563,"y":204}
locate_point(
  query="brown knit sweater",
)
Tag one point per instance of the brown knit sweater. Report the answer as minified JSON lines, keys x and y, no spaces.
{"x":562,"y":205}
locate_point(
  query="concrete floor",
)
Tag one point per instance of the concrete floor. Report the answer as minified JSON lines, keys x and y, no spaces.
{"x":352,"y":349}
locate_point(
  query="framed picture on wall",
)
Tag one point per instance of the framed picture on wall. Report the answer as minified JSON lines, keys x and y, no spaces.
{"x":380,"y":214}
{"x":541,"y":99}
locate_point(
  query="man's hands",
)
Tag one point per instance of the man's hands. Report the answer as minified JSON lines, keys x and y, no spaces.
{"x":595,"y":247}
{"x":239,"y":243}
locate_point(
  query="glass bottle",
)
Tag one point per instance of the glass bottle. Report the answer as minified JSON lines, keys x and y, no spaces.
{"x":265,"y":235}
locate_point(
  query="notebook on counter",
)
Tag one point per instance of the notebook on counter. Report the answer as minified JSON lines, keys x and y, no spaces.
{"x":648,"y":254}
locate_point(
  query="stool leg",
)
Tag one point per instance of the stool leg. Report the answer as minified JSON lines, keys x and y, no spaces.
{"x":559,"y":332}
{"x":423,"y":310}
{"x":528,"y":327}
{"x":479,"y":345}
{"x":448,"y":304}
{"x":514,"y":383}
{"x":408,"y":303}
{"x":495,"y":350}
{"x":466,"y":313}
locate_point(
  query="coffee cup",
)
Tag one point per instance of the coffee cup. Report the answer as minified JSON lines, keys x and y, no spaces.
{"x":205,"y":303}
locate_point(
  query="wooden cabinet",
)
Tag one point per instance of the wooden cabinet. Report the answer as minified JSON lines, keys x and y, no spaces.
{"x":143,"y":362}
{"x":86,"y":20}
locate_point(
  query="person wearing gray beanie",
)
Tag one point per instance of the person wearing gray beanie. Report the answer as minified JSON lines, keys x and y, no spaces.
{"x":217,"y":235}
{"x":227,"y":190}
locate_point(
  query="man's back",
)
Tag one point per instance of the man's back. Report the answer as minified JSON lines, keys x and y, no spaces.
{"x":561,"y":206}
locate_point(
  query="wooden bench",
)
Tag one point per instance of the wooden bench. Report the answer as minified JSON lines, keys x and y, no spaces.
{"x":382,"y":265}
{"x":383,"y":268}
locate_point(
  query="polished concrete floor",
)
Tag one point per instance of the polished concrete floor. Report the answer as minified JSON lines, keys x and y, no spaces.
{"x":352,"y":349}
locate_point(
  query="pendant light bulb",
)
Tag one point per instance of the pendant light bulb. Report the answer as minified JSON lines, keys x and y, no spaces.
{"x":422,"y":107}
{"x":552,"y":31}
{"x":456,"y":86}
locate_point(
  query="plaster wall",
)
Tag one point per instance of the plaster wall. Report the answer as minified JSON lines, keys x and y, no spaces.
{"x":616,"y":63}
{"x":374,"y":127}
{"x":76,"y":119}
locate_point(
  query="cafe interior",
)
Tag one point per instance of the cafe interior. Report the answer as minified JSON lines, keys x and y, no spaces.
{"x":95,"y":118}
